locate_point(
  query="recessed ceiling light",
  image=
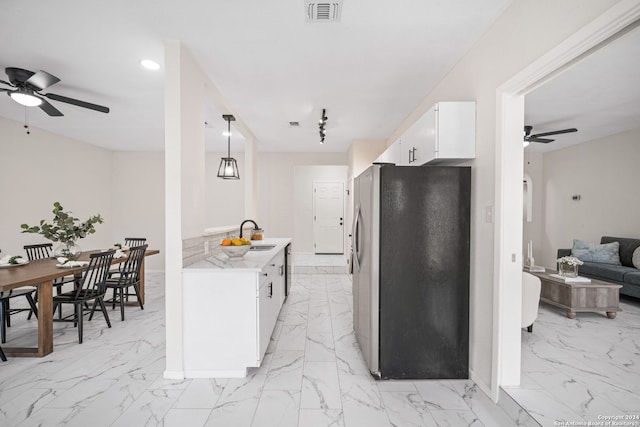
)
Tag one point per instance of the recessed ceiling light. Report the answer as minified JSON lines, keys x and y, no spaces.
{"x":149,"y":64}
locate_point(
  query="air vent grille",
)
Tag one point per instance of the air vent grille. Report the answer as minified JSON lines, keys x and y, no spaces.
{"x":323,"y":11}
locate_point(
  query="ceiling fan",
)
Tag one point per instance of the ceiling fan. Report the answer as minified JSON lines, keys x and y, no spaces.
{"x":27,"y":86}
{"x":538,"y":137}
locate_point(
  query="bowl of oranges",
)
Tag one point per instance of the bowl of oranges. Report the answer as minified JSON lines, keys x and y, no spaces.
{"x":235,"y":247}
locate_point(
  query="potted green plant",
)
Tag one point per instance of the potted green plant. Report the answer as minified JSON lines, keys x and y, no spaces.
{"x":65,"y":229}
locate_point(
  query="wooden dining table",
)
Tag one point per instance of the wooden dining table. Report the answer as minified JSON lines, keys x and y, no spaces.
{"x":41,"y":273}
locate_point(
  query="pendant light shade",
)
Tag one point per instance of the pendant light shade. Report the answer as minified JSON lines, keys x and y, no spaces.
{"x":228,"y":168}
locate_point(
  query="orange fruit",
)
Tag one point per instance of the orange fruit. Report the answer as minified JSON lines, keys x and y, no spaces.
{"x":226,"y":242}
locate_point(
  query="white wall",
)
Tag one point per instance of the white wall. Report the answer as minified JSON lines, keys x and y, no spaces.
{"x":532,"y":231}
{"x":503,"y":51}
{"x":605,"y":173}
{"x":225,"y":198}
{"x":362,"y":153}
{"x":137,"y":182}
{"x":39,"y":169}
{"x":276,"y":188}
{"x":126,"y":188}
{"x":303,"y":179}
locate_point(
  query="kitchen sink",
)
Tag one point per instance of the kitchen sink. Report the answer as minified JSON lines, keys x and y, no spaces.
{"x":261,"y":247}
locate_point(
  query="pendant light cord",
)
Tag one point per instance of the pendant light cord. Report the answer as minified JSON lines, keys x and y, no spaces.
{"x":228,"y":136}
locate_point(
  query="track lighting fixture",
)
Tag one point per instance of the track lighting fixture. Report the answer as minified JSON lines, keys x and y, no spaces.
{"x":228,"y":168}
{"x":322,"y":124}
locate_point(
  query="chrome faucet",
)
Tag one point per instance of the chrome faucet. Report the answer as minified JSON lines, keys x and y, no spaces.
{"x":255,"y":226}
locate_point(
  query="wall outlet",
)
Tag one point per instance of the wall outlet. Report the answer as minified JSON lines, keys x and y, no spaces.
{"x":206,"y":247}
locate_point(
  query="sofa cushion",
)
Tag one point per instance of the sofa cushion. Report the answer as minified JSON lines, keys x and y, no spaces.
{"x":636,"y":258}
{"x":632,"y":278}
{"x":607,"y":253}
{"x":606,"y":272}
{"x":627,"y":247}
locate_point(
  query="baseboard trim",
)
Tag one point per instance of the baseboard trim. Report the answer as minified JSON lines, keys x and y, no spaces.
{"x":173,"y":375}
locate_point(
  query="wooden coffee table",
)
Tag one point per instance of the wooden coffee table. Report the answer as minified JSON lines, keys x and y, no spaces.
{"x":596,"y":296}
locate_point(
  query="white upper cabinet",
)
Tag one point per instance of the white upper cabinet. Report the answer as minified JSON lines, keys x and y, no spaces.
{"x":445,"y":133}
{"x":392,"y":154}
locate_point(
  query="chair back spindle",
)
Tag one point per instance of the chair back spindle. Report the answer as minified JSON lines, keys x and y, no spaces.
{"x":134,"y":241}
{"x":94,"y":278}
{"x":133,"y":264}
{"x":38,"y":251}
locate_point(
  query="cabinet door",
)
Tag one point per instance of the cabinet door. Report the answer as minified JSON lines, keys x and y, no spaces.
{"x":427,"y":148}
{"x":265,"y":315}
{"x":419,"y":142}
{"x":279,"y":280}
{"x":456,"y":130}
{"x":391,"y":155}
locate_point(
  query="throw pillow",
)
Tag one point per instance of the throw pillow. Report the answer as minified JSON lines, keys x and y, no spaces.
{"x":607,"y":253}
{"x":636,"y":258}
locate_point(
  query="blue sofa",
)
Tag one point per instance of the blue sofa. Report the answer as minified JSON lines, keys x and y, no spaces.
{"x":626,"y":274}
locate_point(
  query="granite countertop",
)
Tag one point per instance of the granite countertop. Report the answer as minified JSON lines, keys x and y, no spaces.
{"x":252,"y":261}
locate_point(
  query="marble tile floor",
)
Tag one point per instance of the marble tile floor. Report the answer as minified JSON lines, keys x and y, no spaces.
{"x":313,"y":375}
{"x":310,"y":263}
{"x":583,"y":369}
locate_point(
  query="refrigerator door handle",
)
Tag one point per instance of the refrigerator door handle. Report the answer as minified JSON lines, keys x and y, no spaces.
{"x":356,"y":237}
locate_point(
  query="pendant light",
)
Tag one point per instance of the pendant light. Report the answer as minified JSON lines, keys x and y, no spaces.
{"x":228,"y":166}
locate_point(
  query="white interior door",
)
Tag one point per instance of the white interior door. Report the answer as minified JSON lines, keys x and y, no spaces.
{"x":328,"y":215}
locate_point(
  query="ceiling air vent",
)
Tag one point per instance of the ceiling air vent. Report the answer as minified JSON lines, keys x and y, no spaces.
{"x":323,"y":11}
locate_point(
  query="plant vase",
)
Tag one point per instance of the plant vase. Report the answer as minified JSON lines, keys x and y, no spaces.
{"x":568,"y":270}
{"x":69,"y":250}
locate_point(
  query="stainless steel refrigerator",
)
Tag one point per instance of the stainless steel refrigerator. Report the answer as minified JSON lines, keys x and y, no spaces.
{"x":410,"y":242}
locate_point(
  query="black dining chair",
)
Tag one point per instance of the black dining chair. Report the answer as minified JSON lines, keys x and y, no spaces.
{"x":127,"y":277}
{"x":6,"y":311}
{"x":42,"y":251}
{"x":91,"y":287}
{"x":2,"y":356}
{"x":129,"y":242}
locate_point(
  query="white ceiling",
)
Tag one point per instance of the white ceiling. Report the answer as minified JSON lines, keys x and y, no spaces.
{"x":600,"y":96}
{"x":369,"y":71}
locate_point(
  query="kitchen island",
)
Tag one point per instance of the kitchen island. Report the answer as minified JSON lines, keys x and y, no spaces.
{"x":230,"y":308}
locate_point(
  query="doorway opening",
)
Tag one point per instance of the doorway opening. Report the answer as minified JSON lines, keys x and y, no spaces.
{"x":506,"y":366}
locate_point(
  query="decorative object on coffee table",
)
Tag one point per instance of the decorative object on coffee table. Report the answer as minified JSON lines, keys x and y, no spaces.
{"x":568,"y":266}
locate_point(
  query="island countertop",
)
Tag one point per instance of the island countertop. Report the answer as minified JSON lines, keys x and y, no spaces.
{"x":252,"y":261}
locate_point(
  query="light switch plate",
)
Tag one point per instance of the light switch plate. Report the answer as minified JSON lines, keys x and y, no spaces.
{"x":488,"y":214}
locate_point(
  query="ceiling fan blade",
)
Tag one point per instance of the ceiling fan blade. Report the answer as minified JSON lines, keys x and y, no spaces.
{"x":50,"y":109}
{"x":555,"y":132}
{"x":42,"y":80}
{"x":77,"y":102}
{"x":6,"y":83}
{"x":543,"y":140}
{"x":2,"y":89}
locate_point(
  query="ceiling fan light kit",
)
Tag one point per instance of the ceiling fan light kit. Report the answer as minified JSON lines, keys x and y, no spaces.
{"x":26,"y":87}
{"x":228,"y":168}
{"x":22,"y":97}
